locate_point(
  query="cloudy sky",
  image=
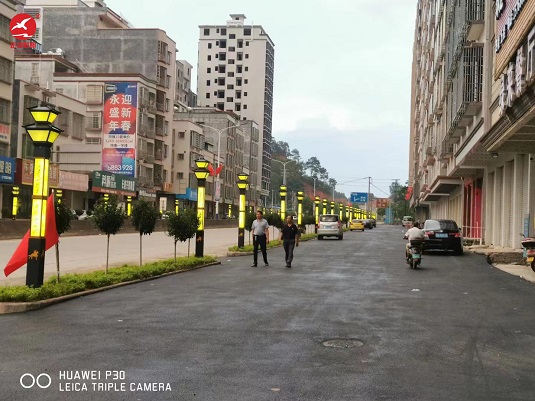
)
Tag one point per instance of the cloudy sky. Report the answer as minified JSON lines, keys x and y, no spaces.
{"x":342,"y":75}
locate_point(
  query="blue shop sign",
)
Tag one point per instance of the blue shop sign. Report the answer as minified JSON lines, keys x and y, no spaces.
{"x":7,"y":170}
{"x":191,"y":194}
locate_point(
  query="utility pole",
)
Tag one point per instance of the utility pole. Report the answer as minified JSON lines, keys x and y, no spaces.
{"x":368,"y":203}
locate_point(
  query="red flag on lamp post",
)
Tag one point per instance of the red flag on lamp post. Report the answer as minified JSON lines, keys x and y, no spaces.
{"x":20,"y":256}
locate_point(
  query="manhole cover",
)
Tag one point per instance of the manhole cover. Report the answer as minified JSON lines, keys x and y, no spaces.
{"x":343,"y":343}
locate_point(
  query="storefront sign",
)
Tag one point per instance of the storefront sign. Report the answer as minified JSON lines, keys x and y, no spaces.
{"x":73,"y":181}
{"x":7,"y":170}
{"x":113,"y":184}
{"x":24,"y":174}
{"x":4,"y":133}
{"x":513,"y":18}
{"x":519,"y":72}
{"x":191,"y":194}
{"x":120,"y":121}
{"x":143,"y":193}
{"x":167,"y":187}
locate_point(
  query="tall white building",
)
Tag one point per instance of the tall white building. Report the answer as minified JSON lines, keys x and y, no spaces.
{"x":235,"y":73}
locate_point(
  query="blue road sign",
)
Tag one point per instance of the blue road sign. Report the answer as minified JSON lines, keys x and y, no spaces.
{"x":359,"y":197}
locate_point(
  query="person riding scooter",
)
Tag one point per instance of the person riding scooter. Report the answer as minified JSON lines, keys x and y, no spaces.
{"x":413,"y":233}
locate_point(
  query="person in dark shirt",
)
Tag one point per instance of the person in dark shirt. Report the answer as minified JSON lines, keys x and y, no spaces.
{"x":290,"y":238}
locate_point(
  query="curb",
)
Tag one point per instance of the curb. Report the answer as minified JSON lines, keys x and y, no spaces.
{"x":18,"y":307}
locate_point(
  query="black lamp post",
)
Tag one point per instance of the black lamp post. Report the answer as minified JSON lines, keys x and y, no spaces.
{"x":43,"y":134}
{"x":202,"y":173}
{"x":242,"y":185}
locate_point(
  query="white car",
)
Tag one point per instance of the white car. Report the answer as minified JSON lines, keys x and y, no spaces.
{"x":330,"y":226}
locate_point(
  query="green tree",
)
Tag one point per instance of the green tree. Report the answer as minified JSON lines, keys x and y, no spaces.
{"x":109,"y":219}
{"x":63,"y":224}
{"x":144,"y":217}
{"x":183,"y":226}
{"x":400,"y":206}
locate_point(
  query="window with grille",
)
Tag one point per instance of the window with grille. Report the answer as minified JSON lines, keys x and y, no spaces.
{"x":29,"y":102}
{"x":77,"y":129}
{"x":94,"y":120}
{"x":93,"y":94}
{"x":92,"y":141}
{"x":5,"y":33}
{"x":4,"y":111}
{"x":6,"y":70}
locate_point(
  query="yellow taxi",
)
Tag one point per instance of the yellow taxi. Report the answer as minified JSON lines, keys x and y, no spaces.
{"x":356,"y":224}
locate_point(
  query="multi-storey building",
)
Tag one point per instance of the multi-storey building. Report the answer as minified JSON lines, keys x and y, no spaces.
{"x":184,"y":97}
{"x":235,"y":73}
{"x":471,"y":111}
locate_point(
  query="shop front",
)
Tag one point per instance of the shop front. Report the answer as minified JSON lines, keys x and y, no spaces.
{"x":103,"y":182}
{"x":75,"y":189}
{"x":188,"y":199}
{"x":7,"y":181}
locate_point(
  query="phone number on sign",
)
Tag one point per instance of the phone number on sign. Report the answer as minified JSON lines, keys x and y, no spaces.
{"x":120,"y":167}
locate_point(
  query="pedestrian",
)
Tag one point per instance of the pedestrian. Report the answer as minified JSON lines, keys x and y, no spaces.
{"x":290,"y":238}
{"x":260,"y":229}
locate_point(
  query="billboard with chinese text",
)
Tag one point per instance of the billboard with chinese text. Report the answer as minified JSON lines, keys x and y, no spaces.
{"x":119,"y":128}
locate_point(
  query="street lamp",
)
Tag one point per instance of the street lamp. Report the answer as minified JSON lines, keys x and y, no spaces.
{"x":317,"y":212}
{"x":282,"y":194}
{"x":242,"y":186}
{"x":218,"y":184}
{"x":176,"y":206}
{"x":341,"y":210}
{"x":300,"y":197}
{"x":15,"y":192}
{"x":283,"y":169}
{"x":43,"y":135}
{"x":325,"y":206}
{"x":201,"y":173}
{"x":128,"y":206}
{"x":332,"y":207}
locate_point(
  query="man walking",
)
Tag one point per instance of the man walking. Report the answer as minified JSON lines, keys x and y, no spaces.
{"x":260,"y":237}
{"x":290,"y":239}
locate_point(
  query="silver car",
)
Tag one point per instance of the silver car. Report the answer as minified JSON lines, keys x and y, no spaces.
{"x":330,"y":226}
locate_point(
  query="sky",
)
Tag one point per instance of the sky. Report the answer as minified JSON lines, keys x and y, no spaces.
{"x":342,"y":75}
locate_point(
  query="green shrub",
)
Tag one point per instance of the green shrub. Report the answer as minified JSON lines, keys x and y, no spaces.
{"x":73,"y":283}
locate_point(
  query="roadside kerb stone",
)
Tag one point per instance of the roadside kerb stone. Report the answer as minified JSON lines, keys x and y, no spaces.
{"x":18,"y":307}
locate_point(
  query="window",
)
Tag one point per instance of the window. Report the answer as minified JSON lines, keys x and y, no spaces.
{"x":237,"y":107}
{"x":239,"y":69}
{"x":238,"y":94}
{"x":93,"y":94}
{"x":246,"y":81}
{"x":207,"y":95}
{"x":209,"y":58}
{"x":94,"y":120}
{"x":207,"y":82}
{"x":231,"y":61}
{"x":247,"y":31}
{"x":222,"y":69}
{"x":180,"y":156}
{"x":222,"y":56}
{"x":206,"y":32}
{"x":221,"y":106}
{"x":179,"y":175}
{"x":246,"y":43}
{"x":244,"y":93}
{"x":222,"y":44}
{"x":245,"y":107}
{"x":238,"y":81}
{"x":5,"y":32}
{"x":181,"y":134}
{"x":240,"y":56}
{"x":221,"y":81}
{"x":221,"y":94}
{"x":223,"y":31}
{"x":5,"y":111}
{"x":230,"y":99}
{"x":240,"y":44}
{"x":246,"y":55}
{"x":230,"y":86}
{"x":6,"y":70}
{"x":77,"y":130}
{"x":246,"y":68}
{"x":230,"y":74}
{"x":232,"y":49}
{"x":209,"y":45}
{"x":232,"y":36}
{"x":208,"y":70}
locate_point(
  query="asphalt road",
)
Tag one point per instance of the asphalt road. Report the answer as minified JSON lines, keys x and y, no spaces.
{"x":456,"y":329}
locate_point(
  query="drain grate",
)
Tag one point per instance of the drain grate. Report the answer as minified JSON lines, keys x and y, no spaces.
{"x":343,"y":343}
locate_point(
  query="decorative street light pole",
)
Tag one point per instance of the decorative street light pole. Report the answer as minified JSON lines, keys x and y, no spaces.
{"x":218,"y":184}
{"x":15,"y":192}
{"x":300,"y":197}
{"x":317,"y":212}
{"x":282,"y":194}
{"x":341,"y":210}
{"x":332,"y":207}
{"x":201,"y":173}
{"x":43,"y":135}
{"x":128,"y":206}
{"x":351,"y":217}
{"x":176,"y":206}
{"x":242,"y":186}
{"x":324,"y":206}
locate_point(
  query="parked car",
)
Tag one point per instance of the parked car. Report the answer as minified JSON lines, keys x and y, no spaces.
{"x":406,"y":220}
{"x":356,"y":224}
{"x":330,"y":226}
{"x":443,"y":234}
{"x":374,"y":223}
{"x":368,"y":223}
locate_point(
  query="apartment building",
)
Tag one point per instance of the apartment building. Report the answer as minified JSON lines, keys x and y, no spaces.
{"x":184,"y":97}
{"x":235,"y":73}
{"x":471,"y":117}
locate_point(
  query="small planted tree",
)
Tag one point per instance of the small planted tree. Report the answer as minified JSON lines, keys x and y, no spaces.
{"x":274,"y":220}
{"x":63,"y":224}
{"x":108,"y":218}
{"x":182,"y":226}
{"x":249,"y":218}
{"x":144,"y":217}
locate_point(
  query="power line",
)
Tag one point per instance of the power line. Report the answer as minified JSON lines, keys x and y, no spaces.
{"x":380,"y":190}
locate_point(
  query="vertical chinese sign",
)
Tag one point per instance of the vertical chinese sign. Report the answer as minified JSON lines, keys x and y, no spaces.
{"x":120,"y":117}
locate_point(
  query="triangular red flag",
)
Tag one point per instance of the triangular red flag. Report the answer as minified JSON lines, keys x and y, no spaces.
{"x":218,"y":170}
{"x":211,"y":169}
{"x":20,"y":256}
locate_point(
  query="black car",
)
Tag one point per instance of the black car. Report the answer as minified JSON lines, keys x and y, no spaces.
{"x":443,"y":234}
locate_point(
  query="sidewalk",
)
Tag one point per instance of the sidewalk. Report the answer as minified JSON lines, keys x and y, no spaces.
{"x":506,"y":259}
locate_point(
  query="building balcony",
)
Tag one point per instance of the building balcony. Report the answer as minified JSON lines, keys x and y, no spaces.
{"x":160,"y":106}
{"x":162,"y":57}
{"x":159,"y":131}
{"x":158,"y":155}
{"x":145,"y":182}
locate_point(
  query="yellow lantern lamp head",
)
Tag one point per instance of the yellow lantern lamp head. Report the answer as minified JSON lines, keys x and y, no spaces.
{"x":242,"y":180}
{"x":317,"y":200}
{"x":43,"y":133}
{"x":325,"y":202}
{"x":44,"y":114}
{"x":300,"y":196}
{"x":202,"y":163}
{"x":202,"y":172}
{"x":282,"y":190}
{"x":15,"y":190}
